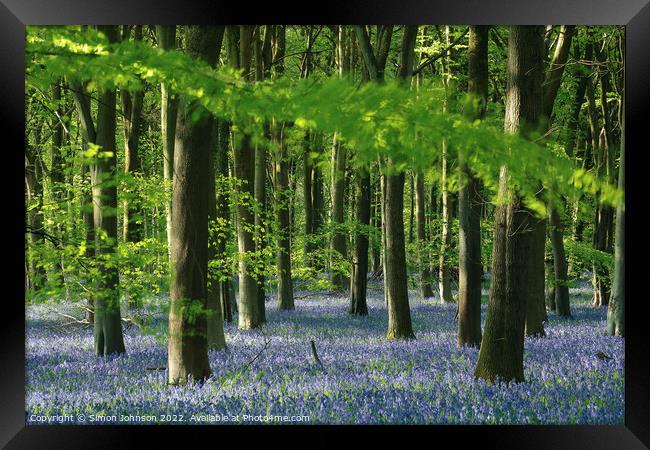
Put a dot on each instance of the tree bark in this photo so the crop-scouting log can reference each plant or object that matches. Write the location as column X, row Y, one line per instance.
column 444, row 276
column 551, row 87
column 132, row 103
column 108, row 322
column 502, row 345
column 470, row 268
column 359, row 278
column 189, row 309
column 283, row 197
column 216, row 338
column 226, row 297
column 616, row 307
column 168, row 111
column 425, row 269
column 250, row 314
column 399, row 314
column 339, row 239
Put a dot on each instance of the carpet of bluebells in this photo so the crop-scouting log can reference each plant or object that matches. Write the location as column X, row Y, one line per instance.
column 363, row 378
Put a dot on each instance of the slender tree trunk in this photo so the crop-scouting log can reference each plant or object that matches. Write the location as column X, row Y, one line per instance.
column 358, row 304
column 425, row 269
column 536, row 301
column 57, row 171
column 399, row 314
column 375, row 266
column 35, row 240
column 502, row 345
column 551, row 87
column 168, row 110
column 359, row 275
column 108, row 322
column 283, row 197
column 188, row 334
column 470, row 266
column 260, row 222
column 250, row 315
column 132, row 103
column 223, row 215
column 339, row 239
column 82, row 105
column 412, row 206
column 307, row 195
column 616, row 307
column 444, row 275
column 216, row 338
column 560, row 266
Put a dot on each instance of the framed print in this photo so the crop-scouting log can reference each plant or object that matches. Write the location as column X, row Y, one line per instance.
column 387, row 217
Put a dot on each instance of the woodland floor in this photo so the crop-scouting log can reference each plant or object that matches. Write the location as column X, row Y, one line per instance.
column 363, row 378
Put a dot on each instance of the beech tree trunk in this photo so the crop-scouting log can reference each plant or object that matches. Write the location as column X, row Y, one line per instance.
column 339, row 239
column 283, row 197
column 616, row 307
column 444, row 275
column 250, row 314
column 502, row 345
column 359, row 279
column 88, row 135
column 216, row 338
column 226, row 294
column 376, row 60
column 108, row 321
column 168, row 110
column 132, row 103
column 399, row 313
column 551, row 87
column 470, row 266
column 425, row 268
column 189, row 309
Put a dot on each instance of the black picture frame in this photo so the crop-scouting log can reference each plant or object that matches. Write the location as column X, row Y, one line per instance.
column 635, row 14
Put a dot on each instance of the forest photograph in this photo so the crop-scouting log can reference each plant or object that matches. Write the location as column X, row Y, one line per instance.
column 324, row 224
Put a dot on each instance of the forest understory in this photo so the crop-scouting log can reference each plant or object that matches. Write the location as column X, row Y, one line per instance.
column 574, row 375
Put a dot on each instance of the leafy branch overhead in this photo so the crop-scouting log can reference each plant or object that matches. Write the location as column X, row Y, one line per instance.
column 377, row 120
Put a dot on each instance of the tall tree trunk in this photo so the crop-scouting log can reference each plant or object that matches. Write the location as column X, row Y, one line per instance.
column 444, row 275
column 359, row 275
column 132, row 103
column 339, row 159
column 168, row 110
column 616, row 307
column 536, row 301
column 283, row 197
column 307, row 196
column 412, row 206
column 57, row 171
column 260, row 221
column 399, row 314
column 188, row 343
column 375, row 265
column 358, row 303
column 34, row 191
column 502, row 345
column 551, row 87
column 470, row 267
column 216, row 338
column 339, row 239
column 250, row 314
column 226, row 296
column 108, row 322
column 425, row 268
column 88, row 135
